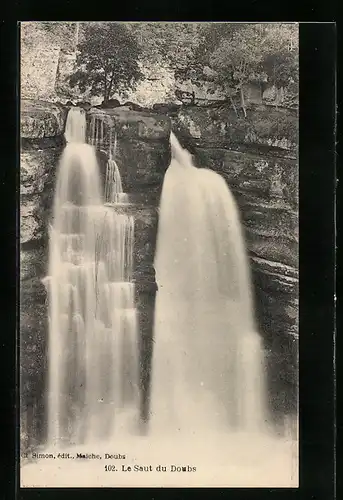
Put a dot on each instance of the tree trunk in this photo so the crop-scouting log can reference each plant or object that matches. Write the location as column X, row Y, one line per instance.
column 105, row 88
column 233, row 105
column 243, row 102
column 110, row 85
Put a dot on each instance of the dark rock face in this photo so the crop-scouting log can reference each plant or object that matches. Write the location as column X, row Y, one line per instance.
column 40, row 119
column 37, row 171
column 111, row 103
column 132, row 106
column 267, row 175
column 42, row 127
column 263, row 125
column 146, row 220
column 84, row 104
column 282, row 370
column 33, row 262
column 33, row 358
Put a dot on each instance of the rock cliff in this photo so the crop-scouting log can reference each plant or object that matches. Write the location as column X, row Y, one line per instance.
column 257, row 157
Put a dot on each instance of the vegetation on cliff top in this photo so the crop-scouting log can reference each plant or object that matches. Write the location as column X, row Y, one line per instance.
column 112, row 57
column 107, row 60
column 225, row 56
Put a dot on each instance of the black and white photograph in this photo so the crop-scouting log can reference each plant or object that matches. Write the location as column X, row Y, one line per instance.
column 159, row 254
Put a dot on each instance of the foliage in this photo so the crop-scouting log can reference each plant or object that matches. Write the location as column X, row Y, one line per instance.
column 210, row 35
column 107, row 60
column 166, row 43
column 230, row 55
column 225, row 56
column 280, row 61
column 237, row 60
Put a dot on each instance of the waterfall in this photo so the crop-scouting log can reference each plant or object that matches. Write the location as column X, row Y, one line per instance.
column 93, row 332
column 208, row 396
column 114, row 193
column 208, row 363
column 113, row 185
column 96, row 132
column 75, row 128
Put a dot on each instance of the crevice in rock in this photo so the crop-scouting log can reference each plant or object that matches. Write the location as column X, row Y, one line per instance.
column 28, row 144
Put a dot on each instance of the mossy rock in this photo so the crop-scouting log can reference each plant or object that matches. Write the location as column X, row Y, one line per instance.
column 40, row 119
column 263, row 125
column 33, row 337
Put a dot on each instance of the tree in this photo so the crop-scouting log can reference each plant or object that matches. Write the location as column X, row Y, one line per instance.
column 232, row 55
column 165, row 48
column 281, row 58
column 237, row 61
column 221, row 56
column 107, row 59
column 169, row 43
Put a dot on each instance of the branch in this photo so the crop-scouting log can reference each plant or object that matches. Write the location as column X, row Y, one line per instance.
column 233, row 105
column 242, row 101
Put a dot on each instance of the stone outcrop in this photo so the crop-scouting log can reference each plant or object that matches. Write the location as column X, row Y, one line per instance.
column 223, row 126
column 40, row 119
column 36, row 175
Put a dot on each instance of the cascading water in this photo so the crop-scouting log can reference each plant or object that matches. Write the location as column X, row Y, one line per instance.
column 208, row 368
column 113, row 185
column 207, row 379
column 114, row 193
column 75, row 129
column 93, row 341
column 96, row 132
column 208, row 391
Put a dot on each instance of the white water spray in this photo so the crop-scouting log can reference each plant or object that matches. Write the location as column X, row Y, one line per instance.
column 208, row 365
column 93, row 339
column 75, row 128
